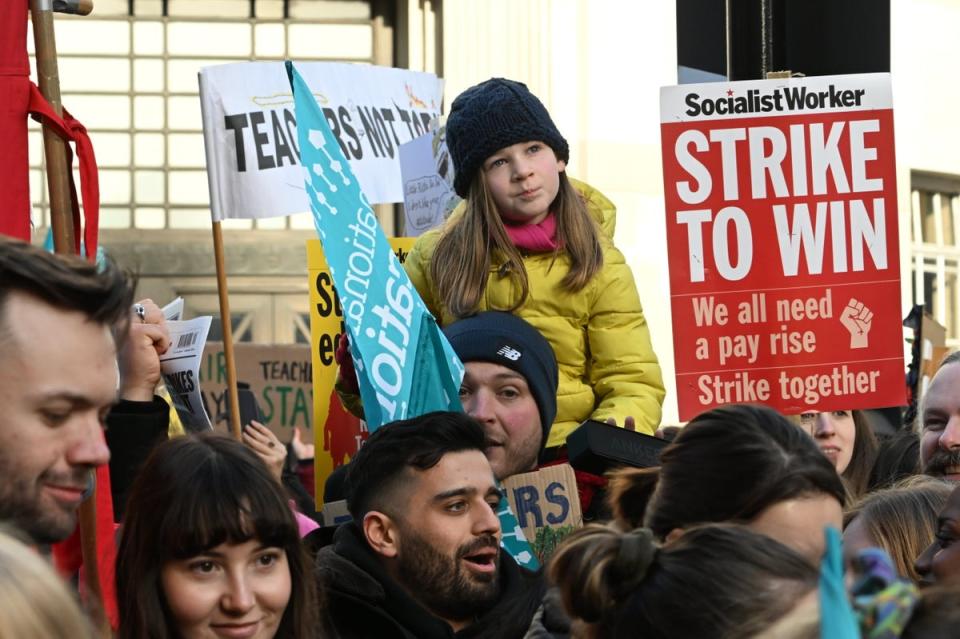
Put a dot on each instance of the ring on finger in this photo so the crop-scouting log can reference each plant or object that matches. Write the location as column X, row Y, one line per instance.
column 141, row 312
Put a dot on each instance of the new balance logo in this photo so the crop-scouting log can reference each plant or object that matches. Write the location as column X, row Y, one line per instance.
column 510, row 353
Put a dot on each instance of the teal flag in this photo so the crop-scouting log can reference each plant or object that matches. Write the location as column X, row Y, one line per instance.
column 837, row 620
column 405, row 365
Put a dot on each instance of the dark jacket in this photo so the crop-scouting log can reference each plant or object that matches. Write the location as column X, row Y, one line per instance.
column 551, row 620
column 363, row 602
column 133, row 430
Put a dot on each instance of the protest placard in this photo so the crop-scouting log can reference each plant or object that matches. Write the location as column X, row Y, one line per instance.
column 339, row 434
column 427, row 171
column 281, row 378
column 547, row 497
column 250, row 130
column 783, row 245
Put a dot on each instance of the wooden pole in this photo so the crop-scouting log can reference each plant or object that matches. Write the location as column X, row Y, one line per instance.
column 61, row 221
column 54, row 148
column 235, row 425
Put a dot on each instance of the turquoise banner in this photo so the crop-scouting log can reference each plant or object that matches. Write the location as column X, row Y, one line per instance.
column 404, row 363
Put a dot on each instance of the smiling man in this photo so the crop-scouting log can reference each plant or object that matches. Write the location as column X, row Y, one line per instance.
column 940, row 414
column 422, row 556
column 58, row 381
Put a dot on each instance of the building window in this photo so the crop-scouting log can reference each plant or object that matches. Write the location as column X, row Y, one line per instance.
column 935, row 251
column 129, row 73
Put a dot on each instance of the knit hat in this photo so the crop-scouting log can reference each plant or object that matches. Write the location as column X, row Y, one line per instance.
column 505, row 339
column 490, row 116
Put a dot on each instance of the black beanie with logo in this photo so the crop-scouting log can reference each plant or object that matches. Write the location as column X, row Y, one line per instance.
column 505, row 339
column 490, row 116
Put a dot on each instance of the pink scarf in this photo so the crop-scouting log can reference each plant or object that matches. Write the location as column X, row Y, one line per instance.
column 536, row 238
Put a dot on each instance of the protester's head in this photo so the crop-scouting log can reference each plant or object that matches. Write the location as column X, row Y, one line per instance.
column 492, row 115
column 210, row 547
column 510, row 163
column 509, row 386
column 424, row 496
column 940, row 420
column 847, row 440
column 719, row 581
column 901, row 520
column 898, row 457
column 34, row 601
column 738, row 463
column 940, row 562
column 57, row 382
column 937, row 615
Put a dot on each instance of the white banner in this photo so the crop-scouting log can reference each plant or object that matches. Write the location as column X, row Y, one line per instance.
column 250, row 132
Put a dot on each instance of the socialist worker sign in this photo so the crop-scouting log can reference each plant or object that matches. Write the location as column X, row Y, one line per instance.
column 782, row 238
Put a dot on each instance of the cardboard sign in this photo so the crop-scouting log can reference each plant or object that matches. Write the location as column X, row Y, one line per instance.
column 547, row 497
column 933, row 349
column 281, row 378
column 339, row 434
column 783, row 244
column 250, row 130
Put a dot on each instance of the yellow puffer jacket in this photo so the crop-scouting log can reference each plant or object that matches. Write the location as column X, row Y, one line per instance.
column 600, row 337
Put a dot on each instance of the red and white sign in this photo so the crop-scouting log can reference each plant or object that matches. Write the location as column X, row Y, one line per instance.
column 782, row 237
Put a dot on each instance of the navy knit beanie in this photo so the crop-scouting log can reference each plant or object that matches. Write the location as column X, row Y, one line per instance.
column 490, row 116
column 505, row 339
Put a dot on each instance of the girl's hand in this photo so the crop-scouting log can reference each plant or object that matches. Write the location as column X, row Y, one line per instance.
column 629, row 423
column 267, row 447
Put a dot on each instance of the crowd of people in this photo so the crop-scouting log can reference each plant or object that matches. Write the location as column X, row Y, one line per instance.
column 735, row 534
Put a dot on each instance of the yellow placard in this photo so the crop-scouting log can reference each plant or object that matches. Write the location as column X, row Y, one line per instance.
column 337, row 434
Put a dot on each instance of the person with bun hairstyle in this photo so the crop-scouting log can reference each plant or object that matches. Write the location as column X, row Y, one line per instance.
column 531, row 241
column 738, row 463
column 718, row 581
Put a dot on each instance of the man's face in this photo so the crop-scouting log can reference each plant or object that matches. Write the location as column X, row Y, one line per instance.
column 448, row 554
column 940, row 438
column 58, row 379
column 500, row 400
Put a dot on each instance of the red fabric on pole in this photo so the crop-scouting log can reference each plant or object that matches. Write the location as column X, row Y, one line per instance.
column 68, row 554
column 18, row 98
column 14, row 98
column 72, row 130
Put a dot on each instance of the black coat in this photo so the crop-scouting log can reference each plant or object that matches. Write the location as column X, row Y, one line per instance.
column 362, row 602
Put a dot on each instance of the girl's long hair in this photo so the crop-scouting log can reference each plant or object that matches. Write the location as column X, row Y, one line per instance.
column 461, row 263
column 193, row 494
column 902, row 519
column 857, row 474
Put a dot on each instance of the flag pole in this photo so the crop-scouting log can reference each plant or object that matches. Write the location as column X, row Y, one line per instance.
column 235, row 425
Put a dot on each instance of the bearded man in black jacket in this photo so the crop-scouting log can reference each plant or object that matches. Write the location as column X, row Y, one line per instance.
column 422, row 558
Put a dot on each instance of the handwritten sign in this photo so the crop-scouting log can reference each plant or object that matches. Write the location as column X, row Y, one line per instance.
column 280, row 377
column 547, row 497
column 427, row 172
